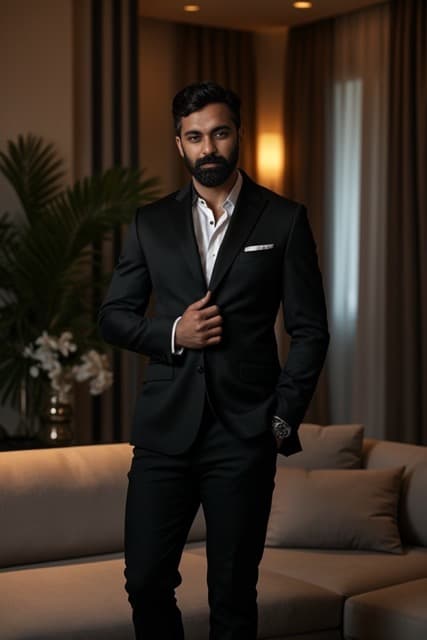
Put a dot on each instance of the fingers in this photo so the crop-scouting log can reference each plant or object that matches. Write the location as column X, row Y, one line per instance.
column 200, row 325
column 209, row 312
column 205, row 327
column 212, row 332
column 200, row 305
column 215, row 321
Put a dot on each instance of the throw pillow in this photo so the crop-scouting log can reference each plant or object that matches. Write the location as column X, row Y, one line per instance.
column 331, row 447
column 336, row 509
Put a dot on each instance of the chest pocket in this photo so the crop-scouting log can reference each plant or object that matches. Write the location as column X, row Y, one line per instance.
column 258, row 266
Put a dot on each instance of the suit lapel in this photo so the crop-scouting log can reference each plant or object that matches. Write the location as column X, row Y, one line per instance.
column 184, row 231
column 249, row 207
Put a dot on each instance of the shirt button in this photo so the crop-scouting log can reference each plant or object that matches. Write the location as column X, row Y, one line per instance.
column 200, row 369
column 211, row 222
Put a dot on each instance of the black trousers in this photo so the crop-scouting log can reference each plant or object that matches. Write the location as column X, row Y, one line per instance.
column 233, row 479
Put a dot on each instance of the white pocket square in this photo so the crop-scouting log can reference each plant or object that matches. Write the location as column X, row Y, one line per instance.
column 258, row 247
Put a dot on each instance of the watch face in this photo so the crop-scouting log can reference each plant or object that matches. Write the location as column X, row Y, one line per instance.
column 287, row 431
column 281, row 428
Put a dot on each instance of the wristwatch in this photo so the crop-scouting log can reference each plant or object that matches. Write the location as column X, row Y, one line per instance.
column 281, row 428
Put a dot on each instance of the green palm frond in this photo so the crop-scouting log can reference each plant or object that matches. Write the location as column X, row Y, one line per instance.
column 9, row 239
column 47, row 275
column 34, row 170
column 96, row 205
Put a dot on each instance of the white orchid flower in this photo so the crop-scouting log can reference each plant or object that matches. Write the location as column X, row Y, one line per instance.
column 46, row 341
column 93, row 367
column 65, row 344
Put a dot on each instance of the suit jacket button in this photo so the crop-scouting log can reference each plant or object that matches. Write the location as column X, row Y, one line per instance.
column 200, row 369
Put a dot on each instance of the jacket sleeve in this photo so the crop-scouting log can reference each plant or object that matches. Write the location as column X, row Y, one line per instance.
column 305, row 320
column 122, row 321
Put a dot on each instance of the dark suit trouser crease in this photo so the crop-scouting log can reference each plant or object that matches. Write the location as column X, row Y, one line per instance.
column 233, row 479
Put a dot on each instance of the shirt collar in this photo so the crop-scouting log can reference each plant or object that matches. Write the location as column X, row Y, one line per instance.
column 230, row 202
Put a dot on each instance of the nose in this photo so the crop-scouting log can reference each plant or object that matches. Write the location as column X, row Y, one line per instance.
column 208, row 146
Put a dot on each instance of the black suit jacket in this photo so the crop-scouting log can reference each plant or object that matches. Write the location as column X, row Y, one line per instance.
column 241, row 375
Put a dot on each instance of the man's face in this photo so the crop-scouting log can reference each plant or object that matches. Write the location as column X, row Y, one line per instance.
column 209, row 144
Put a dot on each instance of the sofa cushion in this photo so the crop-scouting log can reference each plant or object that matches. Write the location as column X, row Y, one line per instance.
column 63, row 502
column 392, row 613
column 347, row 572
column 337, row 446
column 95, row 589
column 336, row 509
column 286, row 605
column 83, row 600
column 378, row 454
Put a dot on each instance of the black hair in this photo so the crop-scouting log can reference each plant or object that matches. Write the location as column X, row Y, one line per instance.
column 196, row 96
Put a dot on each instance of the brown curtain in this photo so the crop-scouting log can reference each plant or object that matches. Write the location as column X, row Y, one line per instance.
column 225, row 56
column 106, row 134
column 406, row 290
column 309, row 70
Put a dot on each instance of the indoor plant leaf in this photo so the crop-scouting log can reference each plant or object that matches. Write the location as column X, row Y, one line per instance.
column 34, row 170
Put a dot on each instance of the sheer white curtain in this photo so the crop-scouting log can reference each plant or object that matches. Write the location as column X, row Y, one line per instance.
column 357, row 209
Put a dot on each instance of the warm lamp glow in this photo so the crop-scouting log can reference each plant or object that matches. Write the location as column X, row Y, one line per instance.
column 191, row 8
column 270, row 159
column 303, row 5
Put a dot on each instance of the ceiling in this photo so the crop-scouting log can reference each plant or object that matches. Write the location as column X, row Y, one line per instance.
column 255, row 15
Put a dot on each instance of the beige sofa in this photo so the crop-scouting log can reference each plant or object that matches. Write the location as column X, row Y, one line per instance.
column 61, row 539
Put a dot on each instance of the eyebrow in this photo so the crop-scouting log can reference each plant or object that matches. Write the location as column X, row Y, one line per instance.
column 193, row 132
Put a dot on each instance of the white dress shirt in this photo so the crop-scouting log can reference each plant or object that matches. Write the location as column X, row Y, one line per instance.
column 209, row 235
column 210, row 232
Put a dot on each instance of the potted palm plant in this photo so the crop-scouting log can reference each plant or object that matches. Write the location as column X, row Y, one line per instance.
column 51, row 271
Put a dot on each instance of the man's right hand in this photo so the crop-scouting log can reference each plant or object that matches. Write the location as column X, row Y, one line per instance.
column 200, row 326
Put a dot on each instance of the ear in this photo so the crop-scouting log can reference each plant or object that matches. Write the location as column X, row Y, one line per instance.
column 179, row 145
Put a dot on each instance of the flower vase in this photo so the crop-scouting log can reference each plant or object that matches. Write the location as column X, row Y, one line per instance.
column 56, row 420
column 27, row 424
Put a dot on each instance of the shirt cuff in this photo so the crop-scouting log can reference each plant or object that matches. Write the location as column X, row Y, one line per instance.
column 174, row 350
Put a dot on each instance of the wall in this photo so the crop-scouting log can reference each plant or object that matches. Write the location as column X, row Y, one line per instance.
column 36, row 72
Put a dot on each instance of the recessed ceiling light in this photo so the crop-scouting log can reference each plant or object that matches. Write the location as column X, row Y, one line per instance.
column 303, row 5
column 191, row 8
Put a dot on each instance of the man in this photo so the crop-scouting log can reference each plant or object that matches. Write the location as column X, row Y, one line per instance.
column 219, row 257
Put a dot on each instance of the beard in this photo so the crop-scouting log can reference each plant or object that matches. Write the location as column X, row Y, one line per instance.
column 217, row 175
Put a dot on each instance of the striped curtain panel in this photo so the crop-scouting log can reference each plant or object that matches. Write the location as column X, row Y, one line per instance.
column 308, row 78
column 406, row 285
column 106, row 134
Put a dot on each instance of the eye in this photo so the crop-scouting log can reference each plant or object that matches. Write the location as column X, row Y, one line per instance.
column 193, row 138
column 222, row 133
